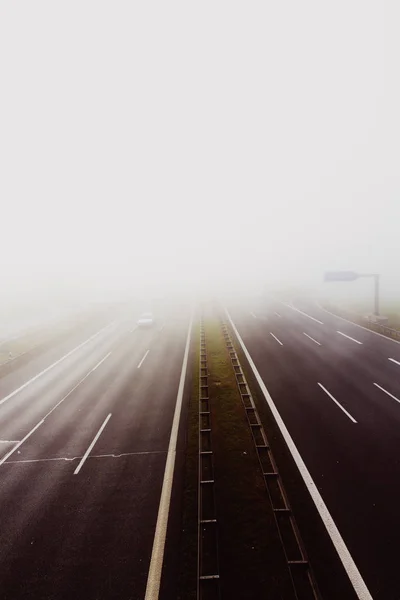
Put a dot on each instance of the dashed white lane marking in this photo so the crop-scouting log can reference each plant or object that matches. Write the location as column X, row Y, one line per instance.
column 143, row 359
column 394, row 361
column 386, row 392
column 348, row 563
column 275, row 338
column 157, row 554
column 253, row 315
column 101, row 361
column 277, row 314
column 357, row 325
column 348, row 337
column 44, row 418
column 98, row 434
column 53, row 365
column 338, row 403
column 303, row 313
column 311, row 338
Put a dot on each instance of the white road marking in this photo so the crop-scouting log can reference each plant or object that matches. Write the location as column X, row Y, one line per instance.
column 386, row 392
column 348, row 337
column 277, row 314
column 9, row 441
column 3, row 460
column 395, row 361
column 357, row 325
column 98, row 434
column 309, row 336
column 347, row 560
column 253, row 315
column 338, row 403
column 142, row 361
column 100, row 362
column 161, row 328
column 54, row 364
column 46, row 415
column 157, row 555
column 274, row 336
column 303, row 313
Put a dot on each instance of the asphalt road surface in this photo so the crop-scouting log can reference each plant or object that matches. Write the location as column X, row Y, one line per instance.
column 84, row 432
column 337, row 388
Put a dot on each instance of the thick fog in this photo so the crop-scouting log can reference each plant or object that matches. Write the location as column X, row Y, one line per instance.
column 217, row 145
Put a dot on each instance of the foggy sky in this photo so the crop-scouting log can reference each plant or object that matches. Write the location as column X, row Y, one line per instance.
column 178, row 142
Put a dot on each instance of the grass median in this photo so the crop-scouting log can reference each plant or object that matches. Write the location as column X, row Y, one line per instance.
column 251, row 557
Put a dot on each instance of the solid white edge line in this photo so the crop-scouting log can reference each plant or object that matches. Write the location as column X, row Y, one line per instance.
column 336, row 402
column 98, row 434
column 157, row 554
column 101, row 361
column 348, row 337
column 386, row 392
column 337, row 540
column 385, row 337
column 302, row 313
column 23, row 386
column 394, row 361
column 309, row 336
column 274, row 336
column 142, row 361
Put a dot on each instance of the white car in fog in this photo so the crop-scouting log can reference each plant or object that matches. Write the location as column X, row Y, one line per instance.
column 146, row 320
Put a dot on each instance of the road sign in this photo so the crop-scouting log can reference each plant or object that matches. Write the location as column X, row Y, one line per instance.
column 340, row 276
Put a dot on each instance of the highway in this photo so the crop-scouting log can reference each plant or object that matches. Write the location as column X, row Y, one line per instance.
column 84, row 432
column 337, row 389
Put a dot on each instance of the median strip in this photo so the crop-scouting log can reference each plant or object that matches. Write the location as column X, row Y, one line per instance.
column 249, row 543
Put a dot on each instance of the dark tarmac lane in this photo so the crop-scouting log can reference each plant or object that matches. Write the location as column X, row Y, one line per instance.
column 75, row 524
column 338, row 394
